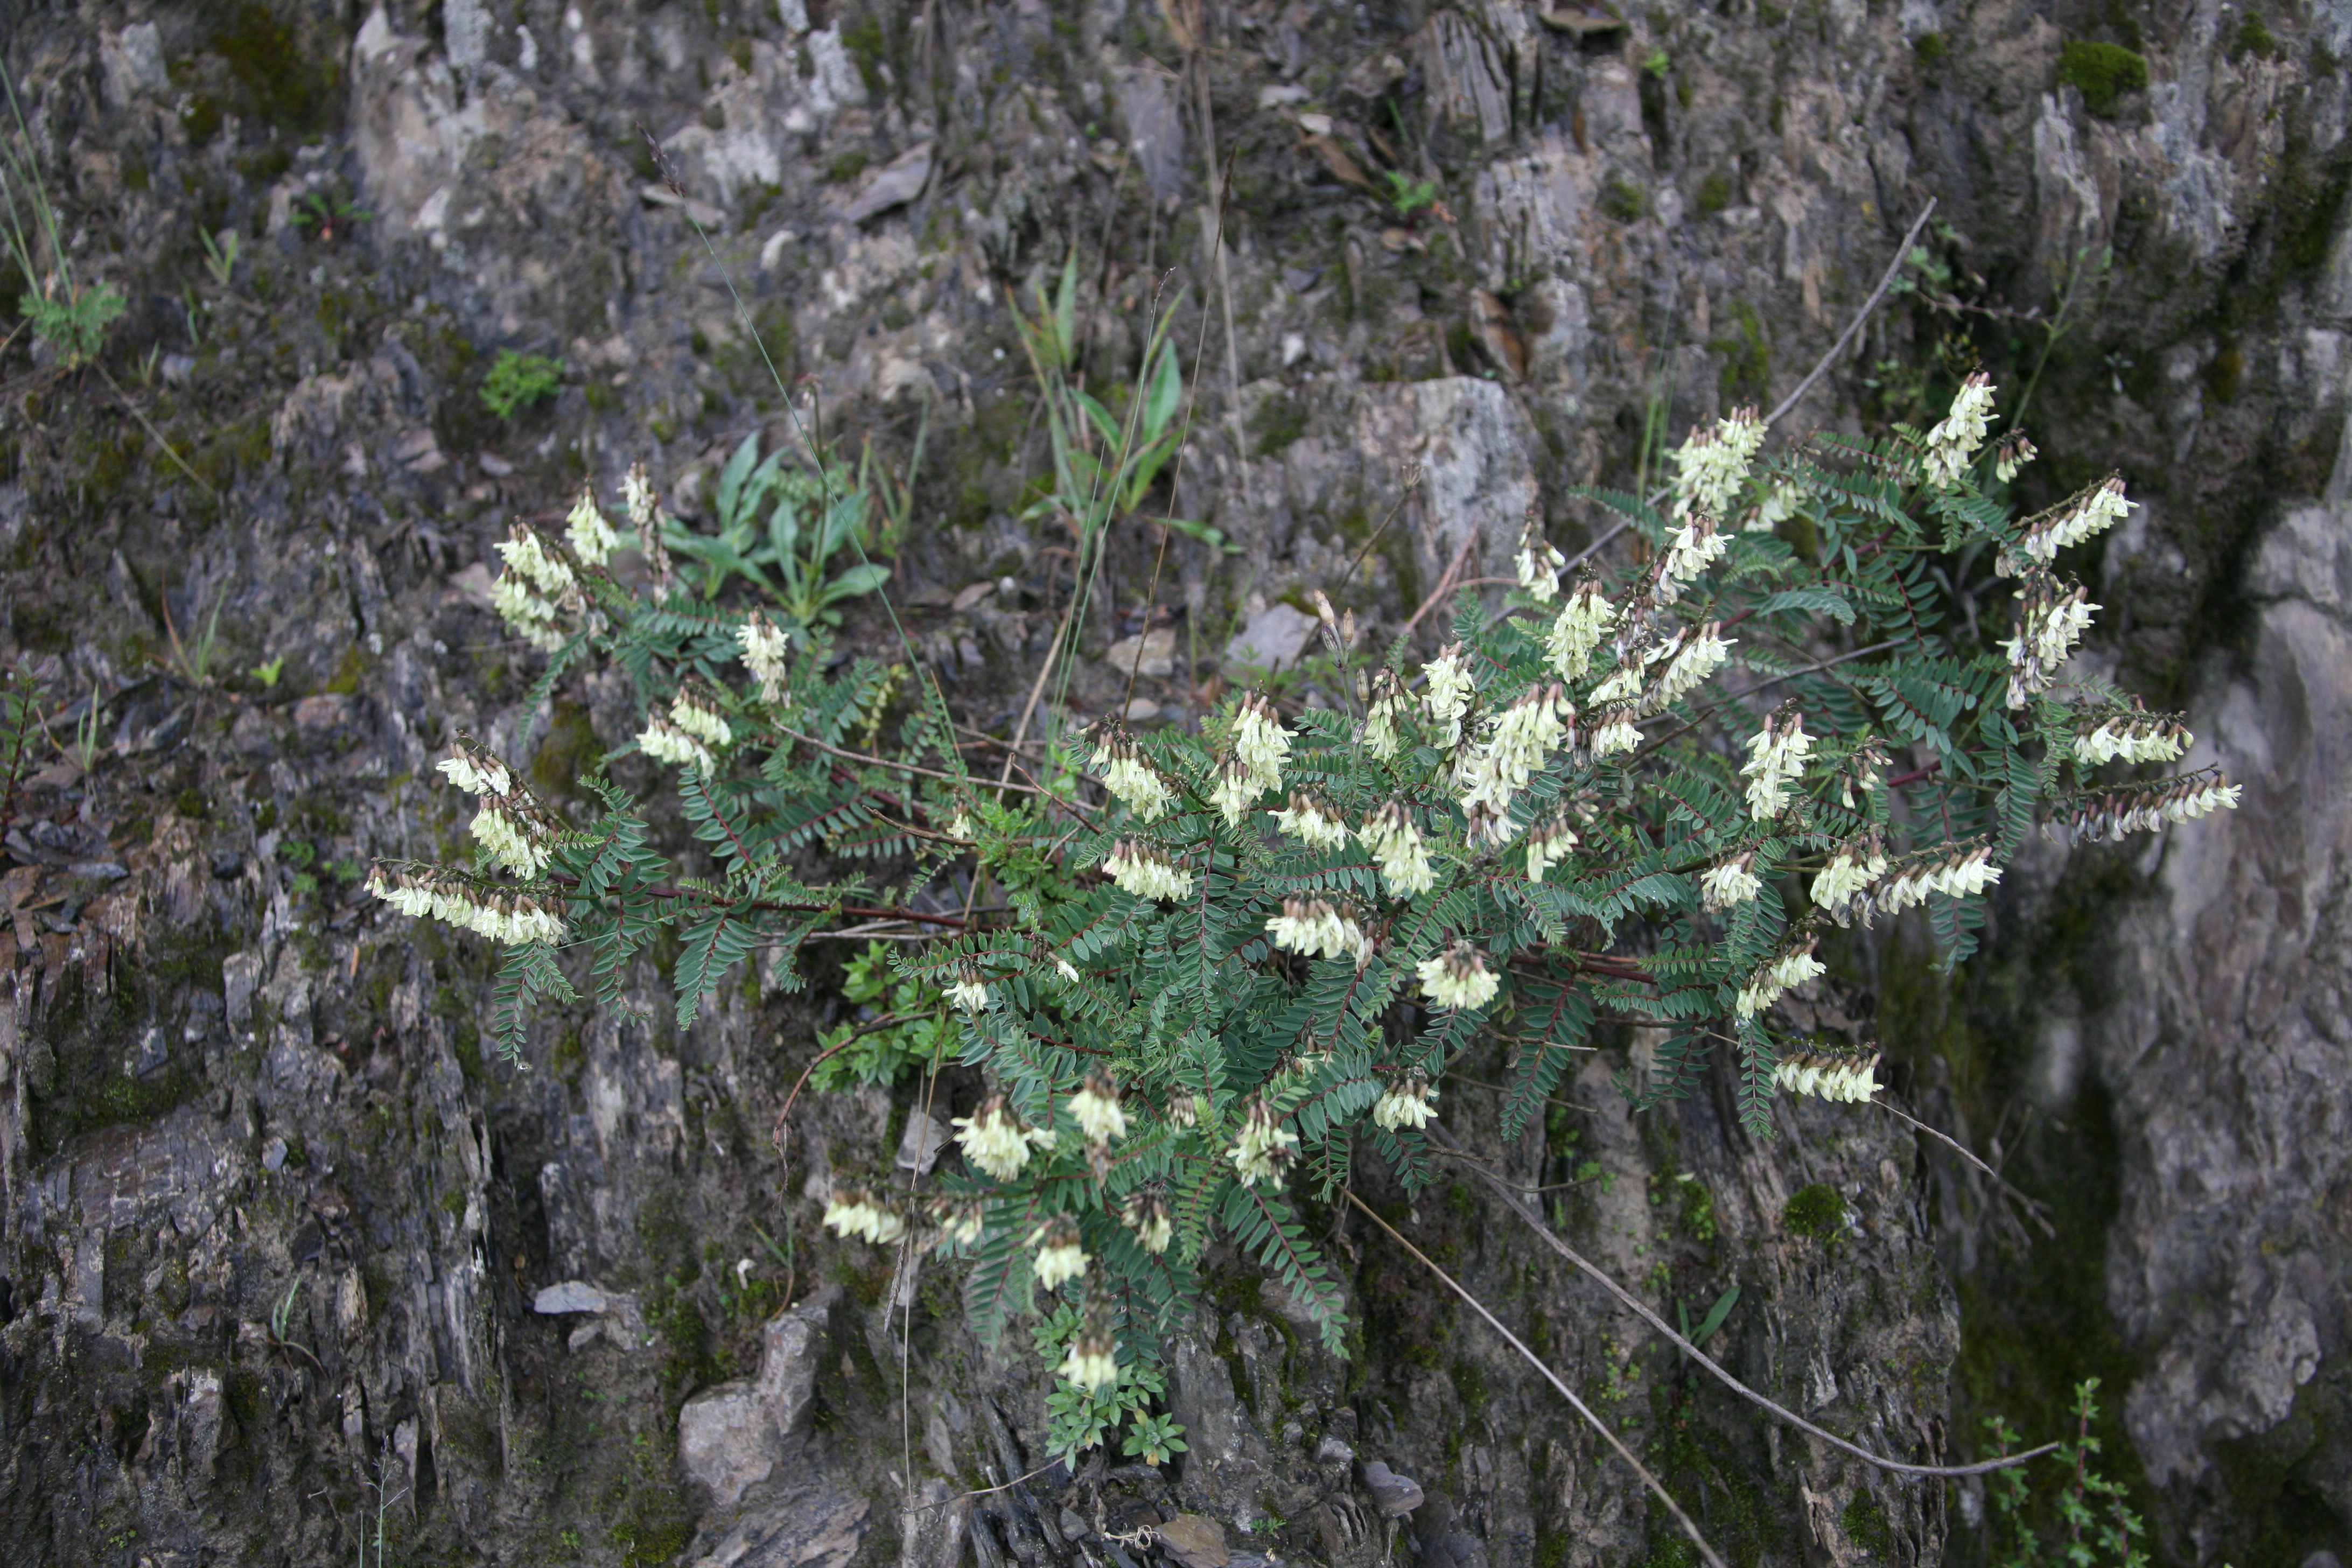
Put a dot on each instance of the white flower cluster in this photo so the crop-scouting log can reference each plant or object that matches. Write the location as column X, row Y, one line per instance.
column 2053, row 623
column 1732, row 881
column 1613, row 732
column 1145, row 872
column 1091, row 1364
column 517, row 832
column 1524, row 736
column 2086, row 516
column 1260, row 743
column 511, row 918
column 1778, row 975
column 2014, row 453
column 1066, row 969
column 1848, row 874
column 1710, row 468
column 1690, row 656
column 766, row 648
column 1390, row 837
column 854, row 1212
column 1127, row 776
column 2118, row 812
column 664, row 741
column 1548, row 845
column 1409, row 1099
column 1059, row 1256
column 1458, row 977
column 476, row 770
column 1860, row 773
column 1098, row 1110
column 997, row 1141
column 2136, row 737
column 644, row 516
column 1695, row 546
column 1233, row 791
column 1578, row 629
column 1775, row 759
column 970, row 992
column 1856, row 881
column 694, row 710
column 1843, row 1079
column 1389, row 702
column 1953, row 442
column 959, row 1223
column 535, row 589
column 1779, row 505
column 1146, row 1214
column 1539, row 565
column 1312, row 927
column 1450, row 690
column 1308, row 820
column 591, row 537
column 1263, row 1148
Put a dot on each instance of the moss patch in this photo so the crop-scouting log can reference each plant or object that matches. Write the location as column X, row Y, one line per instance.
column 1816, row 1211
column 2102, row 73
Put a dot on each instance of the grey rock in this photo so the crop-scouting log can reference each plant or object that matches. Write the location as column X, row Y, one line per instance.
column 922, row 1143
column 799, row 1527
column 734, row 1436
column 1394, row 1495
column 1194, row 1541
column 900, row 181
column 1274, row 638
column 1150, row 653
column 570, row 1296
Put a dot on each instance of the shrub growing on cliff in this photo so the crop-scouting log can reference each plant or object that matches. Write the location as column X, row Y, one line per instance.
column 1638, row 795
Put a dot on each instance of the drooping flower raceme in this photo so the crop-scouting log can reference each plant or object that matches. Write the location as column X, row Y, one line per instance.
column 2148, row 808
column 1127, row 776
column 1098, row 1110
column 1261, row 743
column 1264, row 1147
column 1146, row 1214
column 1092, row 1362
column 1775, row 759
column 1695, row 546
column 1578, row 629
column 1060, row 1256
column 1447, row 697
column 1312, row 822
column 1312, row 927
column 694, row 711
column 476, row 770
column 1389, row 702
column 1390, row 837
column 1734, row 881
column 766, row 649
column 1540, row 566
column 1711, row 466
column 969, row 992
column 1526, row 735
column 1955, row 440
column 534, row 590
column 1849, row 872
column 1145, row 872
column 1613, row 732
column 508, row 917
column 517, row 832
column 996, row 1140
column 852, row 1212
column 1547, row 844
column 1842, row 1079
column 1235, row 791
column 1691, row 656
column 591, row 537
column 2086, row 516
column 2014, row 453
column 1776, row 976
column 1409, row 1101
column 2136, row 737
column 1458, row 977
column 664, row 741
column 2053, row 621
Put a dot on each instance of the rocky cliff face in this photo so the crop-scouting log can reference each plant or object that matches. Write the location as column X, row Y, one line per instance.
column 289, row 1265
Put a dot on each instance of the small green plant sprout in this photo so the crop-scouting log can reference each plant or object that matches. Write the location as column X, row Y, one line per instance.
column 913, row 1029
column 1407, row 195
column 220, row 254
column 1228, row 964
column 516, row 380
column 787, row 554
column 71, row 317
column 1657, row 63
column 1098, row 1394
column 85, row 746
column 192, row 661
column 326, row 212
column 267, row 673
column 1714, row 1319
column 2084, row 1524
column 20, row 717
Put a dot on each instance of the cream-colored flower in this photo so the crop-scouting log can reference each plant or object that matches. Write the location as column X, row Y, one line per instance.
column 1261, row 743
column 1776, row 761
column 509, row 830
column 969, row 992
column 1235, row 791
column 1146, row 1214
column 1712, row 465
column 1096, row 1107
column 959, row 1223
column 1060, row 1257
column 664, row 741
column 1540, row 566
column 1448, row 695
column 1390, row 837
column 1315, row 928
column 1091, row 1364
column 767, row 648
column 1954, row 441
column 476, row 770
column 2014, row 453
column 1548, row 845
column 1145, row 872
column 2086, row 516
column 1066, row 969
column 1695, row 547
column 1615, row 733
column 1526, row 735
column 2136, row 737
column 1407, row 1100
column 1308, row 820
column 1263, row 1148
column 591, row 537
column 1389, row 702
column 1730, row 882
column 1690, row 656
column 2052, row 622
column 996, row 1140
column 1127, row 776
column 1776, row 976
column 854, row 1213
column 1458, row 977
column 1841, row 1079
column 1848, row 876
column 1578, row 629
column 693, row 710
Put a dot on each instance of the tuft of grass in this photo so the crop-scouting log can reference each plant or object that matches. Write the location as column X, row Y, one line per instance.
column 2102, row 73
column 516, row 380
